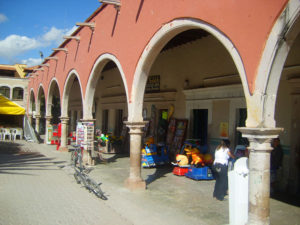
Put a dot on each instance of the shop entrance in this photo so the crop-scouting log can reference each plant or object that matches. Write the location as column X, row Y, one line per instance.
column 200, row 122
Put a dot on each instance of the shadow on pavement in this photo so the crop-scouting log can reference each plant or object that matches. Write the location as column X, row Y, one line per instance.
column 159, row 172
column 287, row 198
column 15, row 159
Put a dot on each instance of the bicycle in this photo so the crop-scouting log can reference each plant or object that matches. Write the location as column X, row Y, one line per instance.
column 81, row 173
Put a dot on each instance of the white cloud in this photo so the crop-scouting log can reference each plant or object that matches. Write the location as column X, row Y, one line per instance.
column 14, row 45
column 32, row 61
column 55, row 35
column 3, row 18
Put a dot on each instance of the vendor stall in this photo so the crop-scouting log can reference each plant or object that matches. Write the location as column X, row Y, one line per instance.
column 11, row 114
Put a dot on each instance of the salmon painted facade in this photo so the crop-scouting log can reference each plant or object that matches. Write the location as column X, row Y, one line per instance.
column 226, row 62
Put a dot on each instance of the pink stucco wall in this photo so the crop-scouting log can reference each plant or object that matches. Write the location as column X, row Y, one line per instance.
column 246, row 23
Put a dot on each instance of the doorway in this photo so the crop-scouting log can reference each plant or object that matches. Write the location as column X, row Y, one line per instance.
column 200, row 124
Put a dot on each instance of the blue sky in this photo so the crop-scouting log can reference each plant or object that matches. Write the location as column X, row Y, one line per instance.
column 28, row 27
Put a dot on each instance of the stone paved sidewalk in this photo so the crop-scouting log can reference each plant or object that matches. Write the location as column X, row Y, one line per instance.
column 34, row 190
column 39, row 188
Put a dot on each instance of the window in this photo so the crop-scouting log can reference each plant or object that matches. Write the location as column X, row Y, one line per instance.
column 5, row 91
column 18, row 93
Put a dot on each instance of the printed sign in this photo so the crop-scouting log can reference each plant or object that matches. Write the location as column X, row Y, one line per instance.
column 153, row 84
column 224, row 130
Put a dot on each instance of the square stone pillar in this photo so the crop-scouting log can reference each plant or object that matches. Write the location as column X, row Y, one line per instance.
column 48, row 120
column 64, row 134
column 259, row 176
column 37, row 123
column 135, row 181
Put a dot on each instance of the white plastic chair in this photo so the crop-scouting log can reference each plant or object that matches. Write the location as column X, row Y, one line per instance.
column 1, row 134
column 17, row 132
column 6, row 133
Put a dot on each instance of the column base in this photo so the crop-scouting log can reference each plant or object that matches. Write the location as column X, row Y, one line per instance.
column 63, row 149
column 134, row 184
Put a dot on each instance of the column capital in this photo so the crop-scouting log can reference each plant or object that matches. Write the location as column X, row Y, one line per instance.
column 38, row 116
column 87, row 120
column 260, row 132
column 260, row 138
column 64, row 119
column 136, row 127
column 48, row 117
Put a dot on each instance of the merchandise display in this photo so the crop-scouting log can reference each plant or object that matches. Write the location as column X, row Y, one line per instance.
column 193, row 162
column 155, row 155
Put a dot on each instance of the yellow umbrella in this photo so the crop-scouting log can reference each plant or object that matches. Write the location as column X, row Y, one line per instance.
column 8, row 107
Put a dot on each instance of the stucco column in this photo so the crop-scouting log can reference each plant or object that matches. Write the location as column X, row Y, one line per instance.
column 48, row 120
column 37, row 123
column 64, row 134
column 259, row 177
column 135, row 181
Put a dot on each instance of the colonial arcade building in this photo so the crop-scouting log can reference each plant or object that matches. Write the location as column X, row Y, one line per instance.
column 212, row 62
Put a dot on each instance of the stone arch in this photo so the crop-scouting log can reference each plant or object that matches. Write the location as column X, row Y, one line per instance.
column 161, row 37
column 53, row 84
column 31, row 101
column 280, row 40
column 39, row 95
column 93, row 80
column 67, row 88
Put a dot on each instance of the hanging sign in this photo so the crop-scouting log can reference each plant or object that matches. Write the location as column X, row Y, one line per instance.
column 79, row 133
column 49, row 134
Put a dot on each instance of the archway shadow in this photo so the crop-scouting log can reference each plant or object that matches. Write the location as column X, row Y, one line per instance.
column 15, row 159
column 160, row 172
column 287, row 198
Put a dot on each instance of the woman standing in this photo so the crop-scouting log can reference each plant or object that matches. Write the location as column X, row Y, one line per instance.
column 220, row 167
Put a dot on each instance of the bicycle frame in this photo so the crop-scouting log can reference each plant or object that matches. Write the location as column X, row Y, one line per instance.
column 82, row 177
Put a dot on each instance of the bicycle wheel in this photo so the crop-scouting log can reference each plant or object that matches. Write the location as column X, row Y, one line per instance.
column 73, row 158
column 96, row 189
column 77, row 178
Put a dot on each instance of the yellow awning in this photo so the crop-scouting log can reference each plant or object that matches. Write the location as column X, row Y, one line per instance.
column 8, row 107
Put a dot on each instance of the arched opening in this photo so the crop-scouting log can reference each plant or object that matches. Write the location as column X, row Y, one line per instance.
column 42, row 110
column 5, row 91
column 18, row 93
column 53, row 103
column 106, row 104
column 194, row 68
column 32, row 108
column 73, row 106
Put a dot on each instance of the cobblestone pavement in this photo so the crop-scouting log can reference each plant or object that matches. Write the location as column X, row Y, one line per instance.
column 35, row 191
column 39, row 188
